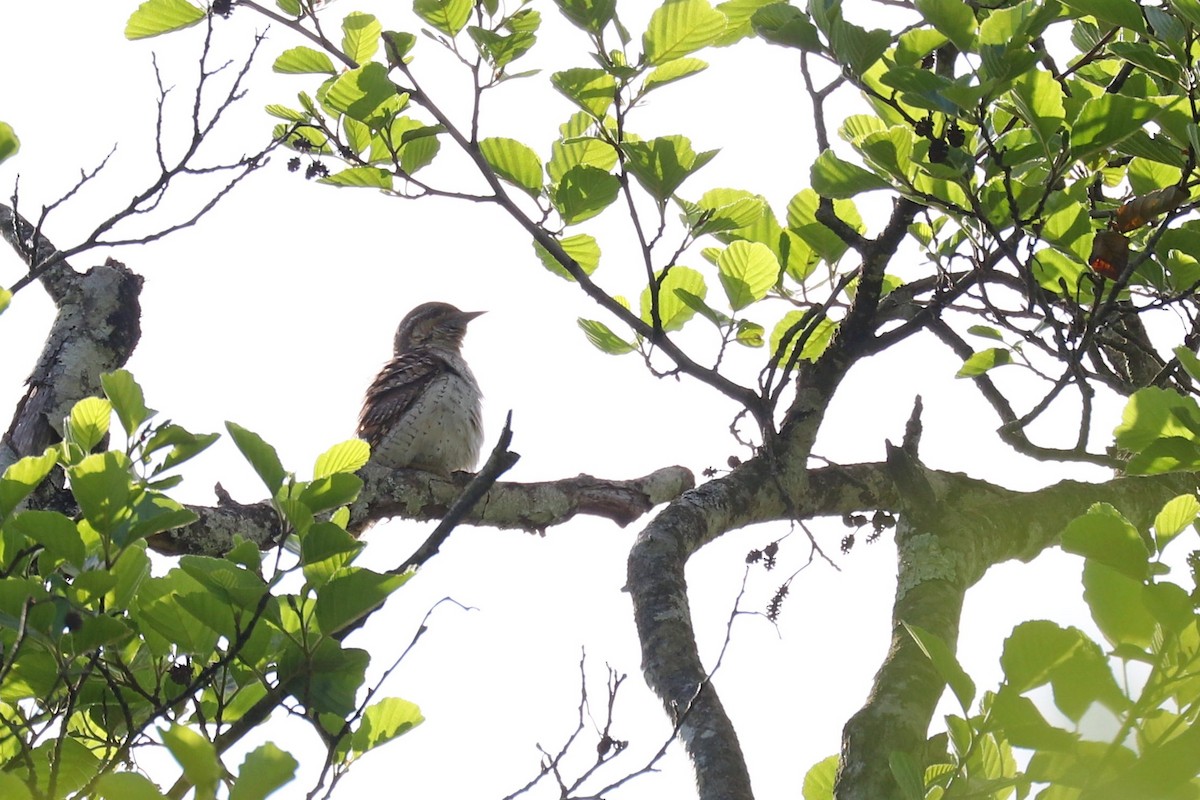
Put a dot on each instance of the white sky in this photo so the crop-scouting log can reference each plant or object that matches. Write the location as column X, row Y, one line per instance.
column 277, row 309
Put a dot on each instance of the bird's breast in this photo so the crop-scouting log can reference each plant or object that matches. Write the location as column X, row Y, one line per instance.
column 441, row 431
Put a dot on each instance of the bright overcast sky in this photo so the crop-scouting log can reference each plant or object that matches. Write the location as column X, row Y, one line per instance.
column 276, row 310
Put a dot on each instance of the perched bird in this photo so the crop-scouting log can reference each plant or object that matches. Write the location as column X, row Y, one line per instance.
column 423, row 409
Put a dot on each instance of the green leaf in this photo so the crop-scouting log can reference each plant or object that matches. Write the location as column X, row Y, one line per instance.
column 720, row 210
column 348, row 456
column 383, row 721
column 324, row 549
column 125, row 786
column 196, row 755
column 588, row 151
column 984, row 360
column 1174, row 518
column 818, row 781
column 9, row 144
column 183, row 443
column 155, row 513
column 397, row 45
column 672, row 71
column 21, row 478
column 945, row 663
column 1170, row 454
column 590, row 15
column 1126, row 13
column 1040, row 100
column 952, row 18
column 581, row 247
column 747, row 271
column 679, row 27
column 351, row 595
column 1149, row 415
column 303, row 60
column 673, row 312
column 819, row 336
column 1189, row 362
column 834, row 178
column 662, row 164
column 155, row 17
column 127, row 399
column 501, row 49
column 603, row 339
column 448, row 16
column 231, row 582
column 802, row 218
column 361, row 177
column 1117, row 603
column 784, row 24
column 514, row 162
column 56, row 532
column 331, row 491
column 986, row 332
column 1023, row 725
column 359, row 92
column 749, row 334
column 89, row 422
column 584, row 192
column 1103, row 121
column 907, row 773
column 592, row 90
column 857, row 47
column 360, row 36
column 102, row 485
column 1105, row 536
column 261, row 456
column 265, row 769
column 1034, row 651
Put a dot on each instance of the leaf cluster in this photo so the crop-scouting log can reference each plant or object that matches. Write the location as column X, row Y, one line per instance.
column 99, row 655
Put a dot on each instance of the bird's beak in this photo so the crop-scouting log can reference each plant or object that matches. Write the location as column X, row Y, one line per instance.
column 467, row 316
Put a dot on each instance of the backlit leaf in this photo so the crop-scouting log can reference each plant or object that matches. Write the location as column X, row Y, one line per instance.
column 155, row 17
column 514, row 162
column 300, row 60
column 679, row 27
column 747, row 271
column 673, row 312
column 360, row 36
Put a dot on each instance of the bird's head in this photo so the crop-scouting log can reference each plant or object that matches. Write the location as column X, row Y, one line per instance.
column 433, row 324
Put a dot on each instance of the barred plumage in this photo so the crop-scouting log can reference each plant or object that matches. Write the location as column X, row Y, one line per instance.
column 423, row 409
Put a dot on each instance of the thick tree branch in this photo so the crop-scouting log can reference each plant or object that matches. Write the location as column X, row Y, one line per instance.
column 95, row 330
column 420, row 495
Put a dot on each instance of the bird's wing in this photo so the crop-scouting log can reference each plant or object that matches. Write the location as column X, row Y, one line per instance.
column 394, row 390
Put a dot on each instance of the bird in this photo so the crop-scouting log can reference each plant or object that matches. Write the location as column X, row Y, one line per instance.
column 424, row 408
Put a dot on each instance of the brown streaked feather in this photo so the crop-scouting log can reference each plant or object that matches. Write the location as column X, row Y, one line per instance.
column 395, row 389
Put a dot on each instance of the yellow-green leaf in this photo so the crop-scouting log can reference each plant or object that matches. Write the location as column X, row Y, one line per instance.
column 747, row 270
column 984, row 360
column 602, row 337
column 514, row 162
column 360, row 36
column 303, row 60
column 9, row 144
column 673, row 71
column 673, row 312
column 89, row 421
column 155, row 17
column 581, row 247
column 679, row 27
column 448, row 16
column 348, row 456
